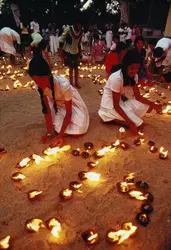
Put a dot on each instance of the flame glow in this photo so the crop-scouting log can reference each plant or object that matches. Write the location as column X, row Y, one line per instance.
column 34, row 194
column 24, row 162
column 137, row 195
column 55, row 227
column 92, row 176
column 52, row 151
column 37, row 158
column 163, row 153
column 4, row 243
column 33, row 225
column 18, row 176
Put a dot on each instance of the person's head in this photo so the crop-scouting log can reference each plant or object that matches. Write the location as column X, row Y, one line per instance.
column 158, row 52
column 121, row 49
column 139, row 42
column 130, row 66
column 77, row 26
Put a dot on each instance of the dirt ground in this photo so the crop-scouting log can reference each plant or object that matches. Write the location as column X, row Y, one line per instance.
column 99, row 205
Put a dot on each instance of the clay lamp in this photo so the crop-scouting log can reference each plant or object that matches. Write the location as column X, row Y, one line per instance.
column 2, row 151
column 129, row 178
column 139, row 141
column 124, row 145
column 153, row 149
column 149, row 197
column 112, row 236
column 116, row 144
column 143, row 219
column 75, row 185
column 76, row 152
column 83, row 175
column 141, row 185
column 163, row 154
column 88, row 145
column 85, row 154
column 18, row 176
column 151, row 143
column 122, row 187
column 92, row 164
column 34, row 195
column 24, row 163
column 90, row 237
column 54, row 225
column 4, row 243
column 66, row 194
column 33, row 225
column 146, row 208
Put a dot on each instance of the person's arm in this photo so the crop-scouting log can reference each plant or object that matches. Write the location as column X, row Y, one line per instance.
column 140, row 98
column 116, row 100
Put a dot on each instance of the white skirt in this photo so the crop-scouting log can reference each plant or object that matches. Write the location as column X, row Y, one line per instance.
column 134, row 109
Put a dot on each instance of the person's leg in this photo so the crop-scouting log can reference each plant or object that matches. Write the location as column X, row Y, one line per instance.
column 71, row 75
column 12, row 59
column 76, row 77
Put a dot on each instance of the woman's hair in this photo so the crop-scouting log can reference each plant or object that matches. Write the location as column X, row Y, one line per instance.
column 158, row 52
column 131, row 57
column 39, row 67
column 120, row 46
column 138, row 38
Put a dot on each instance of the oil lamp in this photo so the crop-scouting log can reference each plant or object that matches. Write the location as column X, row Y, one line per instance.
column 138, row 141
column 141, row 185
column 85, row 154
column 122, row 187
column 54, row 225
column 33, row 225
column 153, row 149
column 66, row 194
column 115, row 144
column 4, row 243
column 163, row 154
column 34, row 194
column 149, row 197
column 89, row 175
column 143, row 219
column 112, row 236
column 18, row 176
column 129, row 178
column 75, row 185
column 146, row 208
column 76, row 152
column 90, row 237
column 82, row 175
column 88, row 145
column 23, row 163
column 92, row 164
column 151, row 143
column 124, row 145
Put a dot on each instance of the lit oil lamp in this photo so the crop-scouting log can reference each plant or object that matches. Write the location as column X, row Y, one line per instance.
column 5, row 243
column 24, row 163
column 149, row 197
column 129, row 178
column 124, row 145
column 88, row 145
column 7, row 88
column 34, row 195
column 163, row 154
column 18, row 176
column 138, row 141
column 75, row 185
column 143, row 219
column 66, row 194
column 90, row 237
column 146, row 208
column 151, row 143
column 89, row 175
column 33, row 225
column 37, row 158
column 137, row 195
column 122, row 187
column 92, row 164
column 54, row 225
column 54, row 150
column 85, row 154
column 76, row 152
column 117, row 237
column 165, row 111
column 153, row 149
column 141, row 185
column 115, row 144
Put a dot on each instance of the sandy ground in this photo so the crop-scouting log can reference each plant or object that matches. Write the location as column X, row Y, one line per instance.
column 99, row 206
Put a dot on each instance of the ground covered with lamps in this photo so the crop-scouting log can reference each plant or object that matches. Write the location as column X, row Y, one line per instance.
column 97, row 205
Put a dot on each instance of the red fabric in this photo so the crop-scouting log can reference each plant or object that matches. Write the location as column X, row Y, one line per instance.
column 42, row 81
column 111, row 59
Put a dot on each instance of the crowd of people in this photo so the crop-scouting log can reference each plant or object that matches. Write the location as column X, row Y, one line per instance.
column 129, row 60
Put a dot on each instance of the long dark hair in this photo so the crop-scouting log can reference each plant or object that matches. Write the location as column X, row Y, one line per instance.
column 39, row 67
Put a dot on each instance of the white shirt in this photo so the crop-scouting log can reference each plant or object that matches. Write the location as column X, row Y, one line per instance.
column 129, row 35
column 34, row 26
column 165, row 44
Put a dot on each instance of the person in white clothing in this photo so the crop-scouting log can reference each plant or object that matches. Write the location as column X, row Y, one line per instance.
column 121, row 101
column 123, row 32
column 34, row 25
column 7, row 38
column 63, row 107
column 109, row 37
column 162, row 57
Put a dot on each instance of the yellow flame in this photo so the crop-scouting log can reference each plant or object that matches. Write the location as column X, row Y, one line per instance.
column 122, row 235
column 52, row 151
column 137, row 195
column 37, row 158
column 104, row 150
column 4, row 243
column 24, row 162
column 147, row 96
column 168, row 108
column 33, row 194
column 17, row 84
column 7, row 87
column 124, row 186
column 55, row 227
column 34, row 225
column 92, row 176
column 92, row 237
column 66, row 192
column 18, row 176
column 164, row 153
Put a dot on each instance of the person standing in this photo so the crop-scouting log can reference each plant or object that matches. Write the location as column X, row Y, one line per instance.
column 7, row 38
column 70, row 50
column 34, row 25
column 53, row 38
column 109, row 37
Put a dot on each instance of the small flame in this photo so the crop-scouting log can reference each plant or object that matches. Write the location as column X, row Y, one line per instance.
column 34, row 225
column 55, row 227
column 18, row 176
column 7, row 87
column 123, row 187
column 130, row 176
column 147, row 96
column 122, row 234
column 67, row 192
column 34, row 194
column 37, row 158
column 168, row 108
column 104, row 150
column 52, row 151
column 4, row 243
column 24, row 162
column 92, row 237
column 137, row 195
column 17, row 84
column 92, row 176
column 164, row 153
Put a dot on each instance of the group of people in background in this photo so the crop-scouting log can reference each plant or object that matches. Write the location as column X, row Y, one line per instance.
column 128, row 62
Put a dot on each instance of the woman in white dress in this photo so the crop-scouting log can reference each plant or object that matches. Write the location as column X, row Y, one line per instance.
column 63, row 106
column 121, row 101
